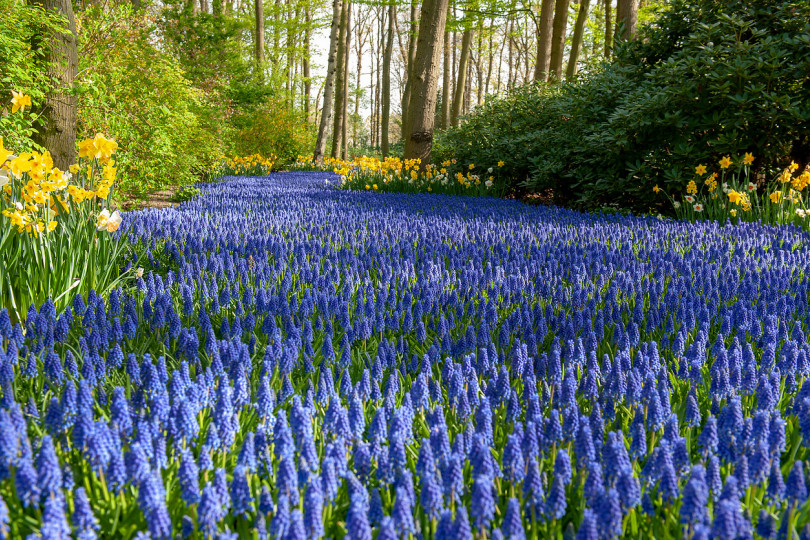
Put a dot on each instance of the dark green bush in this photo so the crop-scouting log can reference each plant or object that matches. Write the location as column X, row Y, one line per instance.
column 707, row 79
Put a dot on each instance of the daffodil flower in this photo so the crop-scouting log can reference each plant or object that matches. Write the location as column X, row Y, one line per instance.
column 108, row 222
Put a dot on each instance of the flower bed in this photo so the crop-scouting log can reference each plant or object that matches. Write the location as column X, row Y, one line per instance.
column 303, row 362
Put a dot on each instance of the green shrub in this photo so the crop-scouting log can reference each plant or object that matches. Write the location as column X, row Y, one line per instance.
column 137, row 93
column 275, row 129
column 23, row 68
column 707, row 79
column 186, row 194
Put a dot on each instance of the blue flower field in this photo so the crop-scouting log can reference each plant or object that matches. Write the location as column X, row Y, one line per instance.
column 300, row 361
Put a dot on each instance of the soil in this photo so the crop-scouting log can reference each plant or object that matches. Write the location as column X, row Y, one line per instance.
column 157, row 199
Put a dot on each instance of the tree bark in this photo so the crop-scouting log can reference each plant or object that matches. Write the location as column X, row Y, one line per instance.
column 608, row 28
column 259, row 11
column 461, row 78
column 406, row 94
column 58, row 131
column 576, row 40
column 544, row 33
column 626, row 18
column 446, row 72
column 386, row 78
column 558, row 37
column 306, row 67
column 422, row 109
column 329, row 84
column 344, row 122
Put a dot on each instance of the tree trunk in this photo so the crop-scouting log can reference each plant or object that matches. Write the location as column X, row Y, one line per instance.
column 422, row 109
column 337, row 128
column 329, row 84
column 461, row 78
column 406, row 94
column 344, row 123
column 259, row 9
column 626, row 17
column 558, row 37
column 576, row 40
column 608, row 27
column 544, row 33
column 446, row 72
column 58, row 117
column 490, row 59
column 479, row 68
column 360, row 42
column 306, row 67
column 386, row 78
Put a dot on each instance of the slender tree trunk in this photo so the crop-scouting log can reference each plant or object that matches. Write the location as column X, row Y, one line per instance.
column 58, row 131
column 419, row 141
column 216, row 7
column 510, row 60
column 329, row 84
column 558, row 37
column 544, row 34
column 608, row 28
column 386, row 78
column 306, row 68
column 479, row 68
column 337, row 129
column 406, row 94
column 344, row 118
column 446, row 73
column 576, row 40
column 461, row 79
column 491, row 57
column 259, row 9
column 626, row 18
column 360, row 39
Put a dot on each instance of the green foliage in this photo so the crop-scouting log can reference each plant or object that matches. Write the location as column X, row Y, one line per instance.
column 707, row 79
column 22, row 68
column 138, row 94
column 272, row 128
column 186, row 194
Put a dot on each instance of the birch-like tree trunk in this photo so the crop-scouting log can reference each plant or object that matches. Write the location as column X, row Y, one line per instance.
column 422, row 109
column 446, row 74
column 329, row 84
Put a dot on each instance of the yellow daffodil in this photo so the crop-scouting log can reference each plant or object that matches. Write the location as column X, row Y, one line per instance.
column 4, row 154
column 726, row 162
column 691, row 187
column 776, row 196
column 700, row 169
column 656, row 189
column 19, row 101
column 501, row 164
column 748, row 159
column 734, row 197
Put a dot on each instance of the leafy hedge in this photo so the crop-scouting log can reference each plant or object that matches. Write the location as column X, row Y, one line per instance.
column 707, row 79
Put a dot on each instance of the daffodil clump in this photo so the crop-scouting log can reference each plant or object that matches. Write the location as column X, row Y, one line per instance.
column 56, row 227
column 254, row 165
column 731, row 193
column 393, row 174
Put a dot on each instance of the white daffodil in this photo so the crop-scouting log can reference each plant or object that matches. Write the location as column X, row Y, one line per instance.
column 107, row 221
column 4, row 179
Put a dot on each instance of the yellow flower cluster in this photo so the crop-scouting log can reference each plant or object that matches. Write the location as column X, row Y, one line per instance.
column 34, row 192
column 255, row 164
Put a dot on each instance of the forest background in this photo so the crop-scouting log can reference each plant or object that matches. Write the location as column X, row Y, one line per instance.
column 180, row 84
